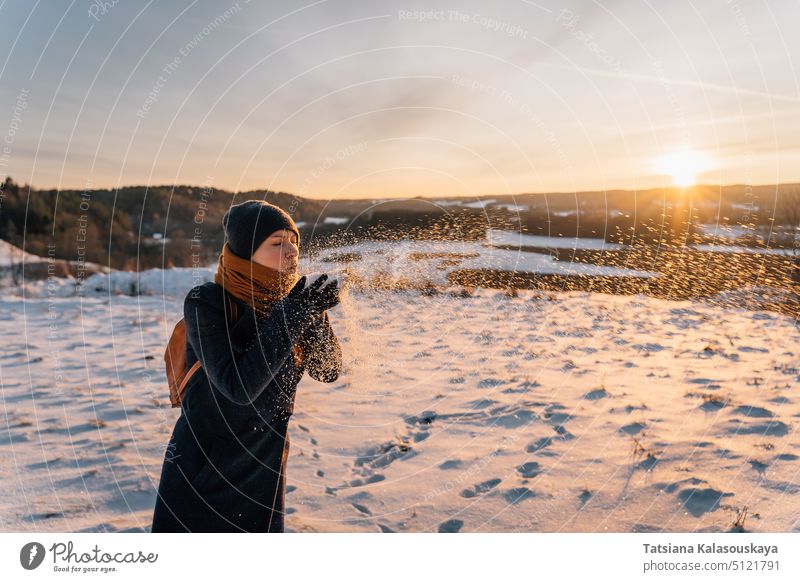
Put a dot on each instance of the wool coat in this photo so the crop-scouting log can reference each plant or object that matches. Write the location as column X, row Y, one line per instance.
column 224, row 468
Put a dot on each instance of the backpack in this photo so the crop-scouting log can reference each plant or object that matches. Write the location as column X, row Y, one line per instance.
column 175, row 360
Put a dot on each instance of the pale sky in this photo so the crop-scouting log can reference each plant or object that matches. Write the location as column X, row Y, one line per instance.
column 345, row 99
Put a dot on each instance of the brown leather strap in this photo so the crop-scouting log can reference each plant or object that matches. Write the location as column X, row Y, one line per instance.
column 188, row 376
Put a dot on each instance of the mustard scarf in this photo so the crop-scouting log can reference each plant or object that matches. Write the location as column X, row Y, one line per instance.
column 257, row 285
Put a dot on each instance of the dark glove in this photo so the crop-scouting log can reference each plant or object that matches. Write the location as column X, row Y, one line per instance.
column 308, row 303
column 321, row 296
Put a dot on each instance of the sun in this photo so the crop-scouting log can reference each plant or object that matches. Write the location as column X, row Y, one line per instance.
column 683, row 166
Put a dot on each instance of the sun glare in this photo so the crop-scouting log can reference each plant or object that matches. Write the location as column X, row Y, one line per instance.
column 683, row 166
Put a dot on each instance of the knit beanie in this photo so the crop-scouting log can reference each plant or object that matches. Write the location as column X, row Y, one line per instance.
column 248, row 224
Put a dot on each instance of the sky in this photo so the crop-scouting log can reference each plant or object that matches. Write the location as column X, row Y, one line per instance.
column 343, row 99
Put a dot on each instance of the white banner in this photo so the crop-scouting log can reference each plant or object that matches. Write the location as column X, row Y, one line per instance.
column 412, row 556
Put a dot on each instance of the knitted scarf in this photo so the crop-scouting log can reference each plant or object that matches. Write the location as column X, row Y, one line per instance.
column 257, row 285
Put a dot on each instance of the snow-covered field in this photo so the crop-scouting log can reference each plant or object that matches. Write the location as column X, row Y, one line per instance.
column 736, row 249
column 414, row 260
column 11, row 255
column 510, row 237
column 541, row 412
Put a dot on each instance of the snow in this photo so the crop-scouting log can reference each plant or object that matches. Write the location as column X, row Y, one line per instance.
column 730, row 231
column 516, row 238
column 405, row 258
column 175, row 281
column 506, row 414
column 336, row 220
column 9, row 254
column 735, row 249
column 479, row 204
column 544, row 412
column 513, row 207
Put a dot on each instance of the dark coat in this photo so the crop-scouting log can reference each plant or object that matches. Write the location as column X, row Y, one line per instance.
column 225, row 466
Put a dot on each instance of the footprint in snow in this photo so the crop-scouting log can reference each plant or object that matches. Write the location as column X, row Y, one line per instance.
column 518, row 494
column 451, row 526
column 483, row 487
column 633, row 428
column 362, row 508
column 529, row 469
column 753, row 411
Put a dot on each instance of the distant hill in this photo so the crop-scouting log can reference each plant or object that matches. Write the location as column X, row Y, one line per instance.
column 139, row 227
column 133, row 228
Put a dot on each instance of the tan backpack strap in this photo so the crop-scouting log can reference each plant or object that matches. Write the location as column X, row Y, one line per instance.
column 188, row 376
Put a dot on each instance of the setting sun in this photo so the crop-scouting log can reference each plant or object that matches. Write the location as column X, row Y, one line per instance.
column 683, row 166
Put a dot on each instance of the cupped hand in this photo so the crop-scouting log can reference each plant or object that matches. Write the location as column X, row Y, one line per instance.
column 322, row 294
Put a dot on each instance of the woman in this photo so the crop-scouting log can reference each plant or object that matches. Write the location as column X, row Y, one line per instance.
column 224, row 468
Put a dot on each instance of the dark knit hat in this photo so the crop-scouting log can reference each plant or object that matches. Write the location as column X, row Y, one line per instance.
column 248, row 224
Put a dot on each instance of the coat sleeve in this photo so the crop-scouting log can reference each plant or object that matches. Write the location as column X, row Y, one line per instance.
column 323, row 352
column 241, row 376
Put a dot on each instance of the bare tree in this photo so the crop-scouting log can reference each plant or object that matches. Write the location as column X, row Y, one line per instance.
column 790, row 208
column 14, row 254
column 790, row 212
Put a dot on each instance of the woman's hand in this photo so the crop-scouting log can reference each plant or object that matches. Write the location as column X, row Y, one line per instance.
column 315, row 298
column 322, row 296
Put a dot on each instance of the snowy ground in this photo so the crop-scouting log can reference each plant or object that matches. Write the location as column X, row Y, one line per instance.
column 482, row 413
column 416, row 260
column 11, row 255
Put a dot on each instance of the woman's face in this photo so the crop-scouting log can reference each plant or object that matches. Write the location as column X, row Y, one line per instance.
column 279, row 251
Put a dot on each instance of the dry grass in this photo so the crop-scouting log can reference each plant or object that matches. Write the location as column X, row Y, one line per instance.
column 741, row 516
column 685, row 274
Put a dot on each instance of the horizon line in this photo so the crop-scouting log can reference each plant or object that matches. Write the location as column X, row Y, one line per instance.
column 408, row 197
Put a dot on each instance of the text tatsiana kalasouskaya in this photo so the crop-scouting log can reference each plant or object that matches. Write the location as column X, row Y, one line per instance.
column 710, row 549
